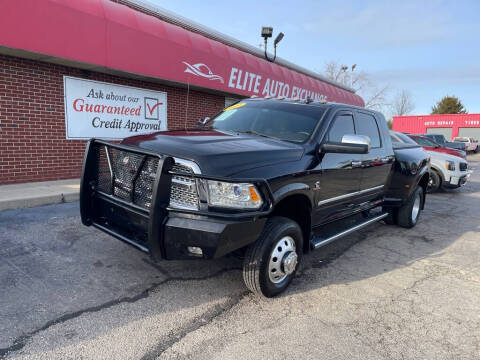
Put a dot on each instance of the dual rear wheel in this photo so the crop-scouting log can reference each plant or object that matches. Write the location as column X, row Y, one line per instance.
column 408, row 214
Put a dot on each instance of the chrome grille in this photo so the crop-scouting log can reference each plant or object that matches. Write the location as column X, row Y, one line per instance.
column 183, row 193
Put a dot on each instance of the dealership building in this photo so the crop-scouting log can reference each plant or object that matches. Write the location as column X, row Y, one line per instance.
column 450, row 125
column 71, row 70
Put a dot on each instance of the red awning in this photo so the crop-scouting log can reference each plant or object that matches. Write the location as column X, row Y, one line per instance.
column 114, row 36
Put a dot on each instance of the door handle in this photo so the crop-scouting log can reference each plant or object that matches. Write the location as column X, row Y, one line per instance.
column 356, row 164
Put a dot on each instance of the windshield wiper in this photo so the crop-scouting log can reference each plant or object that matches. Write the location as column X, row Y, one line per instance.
column 251, row 132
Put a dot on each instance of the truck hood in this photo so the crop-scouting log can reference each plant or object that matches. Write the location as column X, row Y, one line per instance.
column 434, row 155
column 218, row 153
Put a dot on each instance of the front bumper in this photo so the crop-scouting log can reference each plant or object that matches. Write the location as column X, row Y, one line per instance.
column 177, row 233
column 161, row 231
column 215, row 237
column 457, row 181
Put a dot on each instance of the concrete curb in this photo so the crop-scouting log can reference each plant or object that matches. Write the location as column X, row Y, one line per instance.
column 19, row 196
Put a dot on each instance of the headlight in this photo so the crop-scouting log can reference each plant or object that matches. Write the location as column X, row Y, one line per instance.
column 231, row 195
column 450, row 165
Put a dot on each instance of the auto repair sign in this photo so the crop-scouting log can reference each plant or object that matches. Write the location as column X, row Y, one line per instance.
column 103, row 110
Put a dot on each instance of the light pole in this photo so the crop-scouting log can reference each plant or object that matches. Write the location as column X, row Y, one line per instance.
column 351, row 77
column 344, row 68
column 267, row 32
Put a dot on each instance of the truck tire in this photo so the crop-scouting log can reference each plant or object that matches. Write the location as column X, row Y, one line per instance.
column 271, row 262
column 434, row 181
column 409, row 213
column 391, row 219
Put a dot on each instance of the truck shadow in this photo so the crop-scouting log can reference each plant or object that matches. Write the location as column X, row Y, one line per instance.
column 102, row 273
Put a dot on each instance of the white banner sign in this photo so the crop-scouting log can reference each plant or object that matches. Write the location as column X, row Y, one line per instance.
column 103, row 110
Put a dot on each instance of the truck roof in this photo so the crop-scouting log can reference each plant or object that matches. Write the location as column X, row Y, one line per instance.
column 308, row 101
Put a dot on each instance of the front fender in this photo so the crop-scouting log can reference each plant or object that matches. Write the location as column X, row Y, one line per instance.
column 293, row 189
column 439, row 170
column 418, row 177
column 420, row 174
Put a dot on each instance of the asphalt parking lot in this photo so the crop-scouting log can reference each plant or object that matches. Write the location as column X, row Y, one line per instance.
column 71, row 292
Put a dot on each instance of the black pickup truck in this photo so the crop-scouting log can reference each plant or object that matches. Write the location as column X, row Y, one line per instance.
column 270, row 179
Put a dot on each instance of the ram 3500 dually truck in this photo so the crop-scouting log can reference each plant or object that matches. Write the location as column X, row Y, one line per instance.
column 270, row 179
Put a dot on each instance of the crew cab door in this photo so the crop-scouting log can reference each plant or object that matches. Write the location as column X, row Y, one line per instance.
column 339, row 182
column 377, row 164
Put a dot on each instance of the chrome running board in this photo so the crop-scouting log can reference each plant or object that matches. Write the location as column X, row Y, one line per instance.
column 319, row 242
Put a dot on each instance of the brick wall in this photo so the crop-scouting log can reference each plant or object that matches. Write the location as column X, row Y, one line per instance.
column 32, row 118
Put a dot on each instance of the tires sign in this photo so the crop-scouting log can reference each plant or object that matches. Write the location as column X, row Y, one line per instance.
column 104, row 110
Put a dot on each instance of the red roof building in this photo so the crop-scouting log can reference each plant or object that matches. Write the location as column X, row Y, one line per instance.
column 450, row 125
column 71, row 70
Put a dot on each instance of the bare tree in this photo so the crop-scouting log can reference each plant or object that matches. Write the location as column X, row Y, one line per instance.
column 360, row 81
column 403, row 103
column 375, row 97
column 334, row 71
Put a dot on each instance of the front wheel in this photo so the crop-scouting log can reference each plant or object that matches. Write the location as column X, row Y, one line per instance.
column 434, row 182
column 271, row 262
column 409, row 213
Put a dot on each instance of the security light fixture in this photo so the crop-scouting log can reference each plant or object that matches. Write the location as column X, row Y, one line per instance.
column 267, row 32
column 278, row 39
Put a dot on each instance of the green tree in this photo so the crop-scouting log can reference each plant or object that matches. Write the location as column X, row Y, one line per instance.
column 449, row 105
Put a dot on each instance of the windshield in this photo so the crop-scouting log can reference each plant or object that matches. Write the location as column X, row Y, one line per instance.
column 284, row 121
column 424, row 141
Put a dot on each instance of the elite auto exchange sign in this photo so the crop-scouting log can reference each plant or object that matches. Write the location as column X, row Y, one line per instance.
column 104, row 110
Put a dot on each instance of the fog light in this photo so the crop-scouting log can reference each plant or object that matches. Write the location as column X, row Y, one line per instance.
column 195, row 250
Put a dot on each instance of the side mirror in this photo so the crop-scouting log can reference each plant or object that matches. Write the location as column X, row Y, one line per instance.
column 204, row 121
column 350, row 144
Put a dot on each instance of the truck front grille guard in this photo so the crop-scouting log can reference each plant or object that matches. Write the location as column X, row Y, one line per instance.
column 125, row 175
column 125, row 191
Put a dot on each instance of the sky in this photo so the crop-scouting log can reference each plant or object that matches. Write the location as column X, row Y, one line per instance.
column 430, row 48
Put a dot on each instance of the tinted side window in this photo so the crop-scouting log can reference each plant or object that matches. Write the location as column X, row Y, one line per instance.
column 423, row 141
column 343, row 124
column 367, row 125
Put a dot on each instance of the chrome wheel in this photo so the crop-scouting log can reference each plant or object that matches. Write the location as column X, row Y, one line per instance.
column 283, row 260
column 416, row 208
